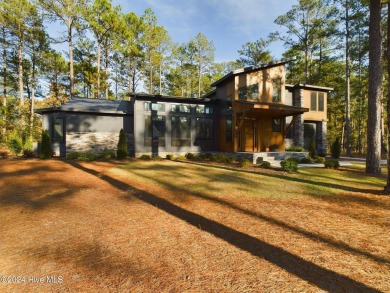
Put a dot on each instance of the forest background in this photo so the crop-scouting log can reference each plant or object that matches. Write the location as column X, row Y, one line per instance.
column 111, row 53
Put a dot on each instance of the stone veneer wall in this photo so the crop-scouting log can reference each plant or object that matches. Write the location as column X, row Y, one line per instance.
column 298, row 101
column 94, row 142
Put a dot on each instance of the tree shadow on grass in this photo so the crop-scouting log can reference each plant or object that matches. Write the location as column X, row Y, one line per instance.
column 316, row 237
column 33, row 192
column 308, row 271
column 339, row 197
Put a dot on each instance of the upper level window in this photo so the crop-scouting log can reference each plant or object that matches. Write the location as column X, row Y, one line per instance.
column 181, row 108
column 276, row 90
column 148, row 106
column 317, row 101
column 202, row 109
column 250, row 92
column 58, row 129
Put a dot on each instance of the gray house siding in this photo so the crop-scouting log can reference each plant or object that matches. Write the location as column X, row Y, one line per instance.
column 95, row 133
column 162, row 129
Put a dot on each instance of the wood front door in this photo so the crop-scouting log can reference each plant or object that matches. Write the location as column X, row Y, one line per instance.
column 249, row 135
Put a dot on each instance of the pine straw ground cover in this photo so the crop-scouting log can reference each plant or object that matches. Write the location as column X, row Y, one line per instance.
column 148, row 226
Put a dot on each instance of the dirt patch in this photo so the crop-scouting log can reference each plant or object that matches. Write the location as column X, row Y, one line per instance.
column 85, row 227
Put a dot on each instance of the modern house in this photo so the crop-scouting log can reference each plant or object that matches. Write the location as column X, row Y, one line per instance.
column 251, row 110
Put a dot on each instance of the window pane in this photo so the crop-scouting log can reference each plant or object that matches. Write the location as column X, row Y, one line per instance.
column 181, row 108
column 155, row 127
column 250, row 92
column 276, row 125
column 321, row 101
column 204, row 128
column 202, row 109
column 58, row 129
column 181, row 131
column 229, row 128
column 154, row 106
column 276, row 90
column 313, row 101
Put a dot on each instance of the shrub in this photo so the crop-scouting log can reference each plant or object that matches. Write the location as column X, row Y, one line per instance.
column 181, row 158
column 332, row 164
column 289, row 165
column 15, row 144
column 28, row 154
column 106, row 154
column 157, row 158
column 296, row 148
column 335, row 149
column 145, row 157
column 121, row 152
column 229, row 160
column 312, row 148
column 46, row 152
column 221, row 158
column 318, row 159
column 209, row 156
column 72, row 155
column 265, row 165
column 190, row 156
column 4, row 154
column 245, row 163
column 87, row 157
column 307, row 161
column 169, row 157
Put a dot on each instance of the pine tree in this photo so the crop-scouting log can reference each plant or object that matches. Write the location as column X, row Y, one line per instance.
column 46, row 152
column 121, row 152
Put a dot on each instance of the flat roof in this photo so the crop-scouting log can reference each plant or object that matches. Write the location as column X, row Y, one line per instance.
column 309, row 87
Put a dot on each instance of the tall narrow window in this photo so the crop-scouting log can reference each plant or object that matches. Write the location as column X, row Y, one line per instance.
column 155, row 129
column 58, row 129
column 276, row 90
column 229, row 128
column 321, row 102
column 181, row 131
column 313, row 101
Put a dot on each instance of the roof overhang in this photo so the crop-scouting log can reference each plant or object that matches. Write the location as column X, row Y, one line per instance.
column 273, row 109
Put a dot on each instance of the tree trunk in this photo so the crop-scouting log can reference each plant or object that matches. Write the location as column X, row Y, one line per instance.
column 20, row 71
column 4, row 129
column 98, row 69
column 347, row 85
column 387, row 187
column 32, row 100
column 71, row 74
column 106, row 72
column 374, row 90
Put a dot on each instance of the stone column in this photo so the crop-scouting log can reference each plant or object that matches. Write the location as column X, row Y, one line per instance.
column 298, row 123
column 321, row 138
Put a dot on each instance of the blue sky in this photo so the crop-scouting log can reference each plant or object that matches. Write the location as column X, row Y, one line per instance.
column 228, row 23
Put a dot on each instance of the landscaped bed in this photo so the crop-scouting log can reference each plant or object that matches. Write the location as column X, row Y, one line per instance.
column 167, row 226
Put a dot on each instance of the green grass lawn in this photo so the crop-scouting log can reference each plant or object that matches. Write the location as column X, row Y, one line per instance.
column 214, row 180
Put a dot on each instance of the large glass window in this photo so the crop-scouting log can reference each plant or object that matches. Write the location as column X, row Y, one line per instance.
column 155, row 130
column 204, row 132
column 160, row 107
column 250, row 92
column 58, row 129
column 276, row 90
column 181, row 131
column 317, row 101
column 181, row 108
column 229, row 128
column 202, row 109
